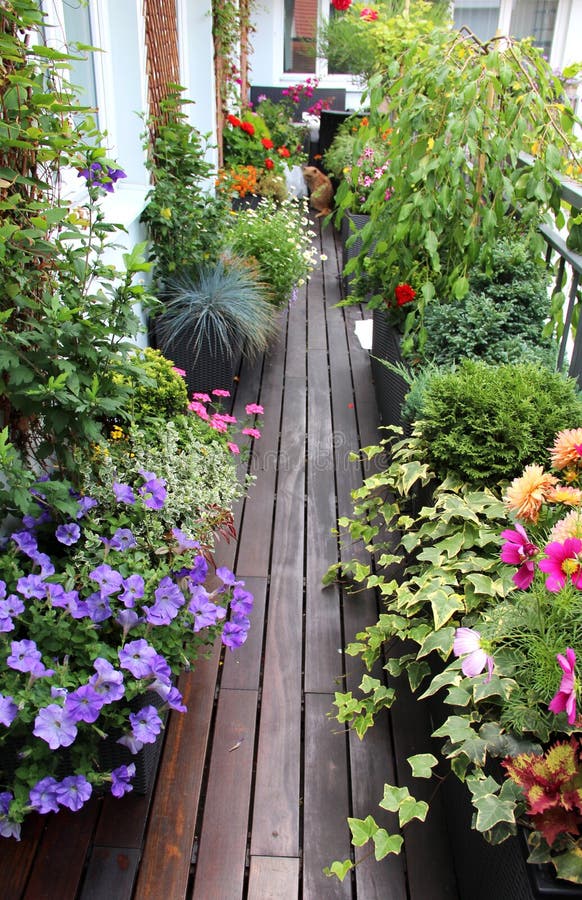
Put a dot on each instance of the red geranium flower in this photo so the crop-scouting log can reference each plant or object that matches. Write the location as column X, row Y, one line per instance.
column 234, row 120
column 404, row 294
column 248, row 127
column 341, row 4
column 269, row 164
column 282, row 151
column 267, row 143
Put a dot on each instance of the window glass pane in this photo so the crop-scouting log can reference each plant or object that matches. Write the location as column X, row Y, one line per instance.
column 300, row 32
column 78, row 31
column 480, row 16
column 535, row 18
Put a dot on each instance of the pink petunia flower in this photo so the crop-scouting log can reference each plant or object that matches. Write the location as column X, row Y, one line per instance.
column 565, row 698
column 562, row 562
column 203, row 398
column 197, row 407
column 518, row 551
column 468, row 641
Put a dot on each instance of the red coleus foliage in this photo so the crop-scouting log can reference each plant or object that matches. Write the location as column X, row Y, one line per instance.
column 552, row 786
column 404, row 294
column 341, row 4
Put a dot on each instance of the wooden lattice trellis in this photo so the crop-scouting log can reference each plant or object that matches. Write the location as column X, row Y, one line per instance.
column 162, row 60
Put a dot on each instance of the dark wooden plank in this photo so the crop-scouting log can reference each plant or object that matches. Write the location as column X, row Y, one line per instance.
column 326, row 803
column 275, row 826
column 242, row 667
column 254, row 545
column 59, row 864
column 17, row 857
column 111, row 874
column 273, row 878
column 165, row 866
column 220, row 865
column 295, row 365
column 323, row 632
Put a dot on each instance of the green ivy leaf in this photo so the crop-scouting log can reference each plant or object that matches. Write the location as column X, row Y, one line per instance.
column 422, row 764
column 339, row 869
column 385, row 843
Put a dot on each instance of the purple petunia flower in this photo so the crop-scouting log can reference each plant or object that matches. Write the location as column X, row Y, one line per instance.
column 26, row 542
column 97, row 607
column 44, row 562
column 120, row 780
column 85, row 504
column 233, row 635
column 169, row 599
column 123, row 493
column 108, row 579
column 227, row 577
column 68, row 534
column 8, row 828
column 122, row 540
column 132, row 744
column 108, row 681
column 153, row 491
column 128, row 619
column 31, row 586
column 25, row 656
column 204, row 611
column 145, row 724
column 242, row 601
column 197, row 574
column 183, row 541
column 73, row 792
column 84, row 704
column 137, row 657
column 54, row 725
column 133, row 589
column 11, row 606
column 8, row 710
column 43, row 796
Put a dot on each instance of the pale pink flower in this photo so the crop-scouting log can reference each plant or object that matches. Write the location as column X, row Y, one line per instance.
column 468, row 641
column 179, row 371
column 234, row 448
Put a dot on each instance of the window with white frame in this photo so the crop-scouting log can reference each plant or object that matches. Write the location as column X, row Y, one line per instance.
column 526, row 18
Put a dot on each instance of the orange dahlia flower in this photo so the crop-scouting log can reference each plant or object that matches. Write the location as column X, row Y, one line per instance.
column 567, row 449
column 527, row 493
column 568, row 527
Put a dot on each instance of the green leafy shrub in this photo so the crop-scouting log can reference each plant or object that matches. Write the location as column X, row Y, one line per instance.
column 163, row 393
column 484, row 423
column 278, row 238
column 183, row 216
column 502, row 317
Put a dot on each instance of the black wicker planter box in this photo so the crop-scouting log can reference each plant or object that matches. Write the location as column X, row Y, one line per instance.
column 214, row 366
column 358, row 221
column 390, row 387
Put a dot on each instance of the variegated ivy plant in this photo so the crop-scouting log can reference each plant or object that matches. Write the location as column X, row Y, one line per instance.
column 438, row 569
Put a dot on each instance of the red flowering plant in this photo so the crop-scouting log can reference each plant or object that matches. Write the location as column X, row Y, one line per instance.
column 249, row 144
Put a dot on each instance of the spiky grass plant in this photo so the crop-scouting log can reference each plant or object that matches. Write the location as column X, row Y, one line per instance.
column 221, row 304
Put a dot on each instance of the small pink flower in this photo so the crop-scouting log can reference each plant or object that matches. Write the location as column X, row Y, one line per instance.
column 203, row 398
column 369, row 15
column 218, row 424
column 252, row 432
column 254, row 409
column 518, row 551
column 196, row 407
column 562, row 562
column 179, row 371
column 468, row 641
column 219, row 392
column 565, row 698
column 234, row 448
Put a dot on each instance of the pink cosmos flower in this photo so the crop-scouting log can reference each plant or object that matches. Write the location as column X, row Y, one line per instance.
column 252, row 432
column 234, row 448
column 562, row 562
column 219, row 392
column 565, row 698
column 179, row 371
column 369, row 15
column 254, row 409
column 468, row 641
column 518, row 551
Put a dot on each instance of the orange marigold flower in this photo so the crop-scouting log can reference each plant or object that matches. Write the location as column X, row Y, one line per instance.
column 568, row 527
column 526, row 494
column 567, row 449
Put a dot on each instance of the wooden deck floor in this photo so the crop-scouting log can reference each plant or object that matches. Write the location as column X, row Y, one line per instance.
column 256, row 781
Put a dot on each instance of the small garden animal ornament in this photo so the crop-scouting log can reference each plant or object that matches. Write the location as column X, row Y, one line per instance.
column 320, row 190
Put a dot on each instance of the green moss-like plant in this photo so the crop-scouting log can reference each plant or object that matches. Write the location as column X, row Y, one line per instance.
column 484, row 423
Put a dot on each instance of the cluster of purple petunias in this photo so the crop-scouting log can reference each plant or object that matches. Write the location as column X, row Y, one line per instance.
column 114, row 600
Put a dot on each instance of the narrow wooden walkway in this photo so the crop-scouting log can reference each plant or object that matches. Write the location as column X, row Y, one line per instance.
column 257, row 780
